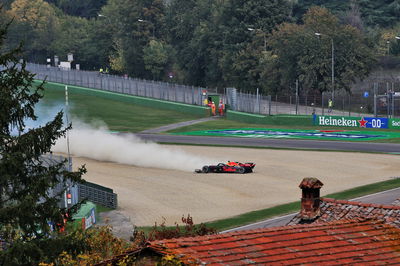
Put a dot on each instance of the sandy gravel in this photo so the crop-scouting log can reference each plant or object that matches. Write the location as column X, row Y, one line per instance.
column 148, row 195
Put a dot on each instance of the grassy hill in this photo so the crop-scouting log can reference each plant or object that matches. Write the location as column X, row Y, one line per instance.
column 116, row 115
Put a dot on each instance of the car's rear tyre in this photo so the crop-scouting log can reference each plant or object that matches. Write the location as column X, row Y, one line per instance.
column 241, row 170
column 206, row 169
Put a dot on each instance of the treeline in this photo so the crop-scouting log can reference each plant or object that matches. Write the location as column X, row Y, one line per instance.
column 250, row 44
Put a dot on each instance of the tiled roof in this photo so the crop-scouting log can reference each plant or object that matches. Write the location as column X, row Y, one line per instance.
column 334, row 210
column 342, row 242
column 396, row 202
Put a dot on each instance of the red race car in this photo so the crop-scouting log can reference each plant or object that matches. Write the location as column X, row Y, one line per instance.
column 230, row 167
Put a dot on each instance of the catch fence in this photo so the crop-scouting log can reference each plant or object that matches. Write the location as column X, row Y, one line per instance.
column 375, row 101
column 376, row 98
column 121, row 84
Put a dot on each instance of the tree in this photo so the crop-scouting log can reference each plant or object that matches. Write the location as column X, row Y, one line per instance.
column 86, row 9
column 353, row 16
column 155, row 57
column 301, row 55
column 26, row 207
column 36, row 24
column 381, row 13
column 212, row 39
column 133, row 24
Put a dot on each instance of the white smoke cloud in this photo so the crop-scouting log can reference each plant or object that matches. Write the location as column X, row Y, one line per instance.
column 100, row 144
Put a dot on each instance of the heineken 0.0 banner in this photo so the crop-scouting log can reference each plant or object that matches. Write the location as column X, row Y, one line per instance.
column 394, row 123
column 350, row 121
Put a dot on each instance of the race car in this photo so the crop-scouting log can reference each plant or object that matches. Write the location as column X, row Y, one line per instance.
column 230, row 167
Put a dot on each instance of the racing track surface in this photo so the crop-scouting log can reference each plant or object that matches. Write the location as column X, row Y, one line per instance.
column 275, row 143
column 147, row 194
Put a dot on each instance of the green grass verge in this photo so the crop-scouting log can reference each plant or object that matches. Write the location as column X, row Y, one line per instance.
column 116, row 115
column 277, row 120
column 100, row 209
column 224, row 123
column 259, row 215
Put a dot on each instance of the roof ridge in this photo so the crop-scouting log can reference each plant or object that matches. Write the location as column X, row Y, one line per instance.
column 276, row 230
column 361, row 204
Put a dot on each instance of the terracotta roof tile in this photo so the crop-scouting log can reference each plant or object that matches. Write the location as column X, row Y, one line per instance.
column 396, row 202
column 334, row 210
column 340, row 242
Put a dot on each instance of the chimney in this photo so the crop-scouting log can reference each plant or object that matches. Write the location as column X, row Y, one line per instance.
column 310, row 200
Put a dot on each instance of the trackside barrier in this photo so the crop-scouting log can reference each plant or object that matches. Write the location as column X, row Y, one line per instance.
column 358, row 122
column 150, row 102
column 98, row 194
column 122, row 84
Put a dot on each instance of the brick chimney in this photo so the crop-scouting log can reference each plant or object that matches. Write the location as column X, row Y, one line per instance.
column 310, row 200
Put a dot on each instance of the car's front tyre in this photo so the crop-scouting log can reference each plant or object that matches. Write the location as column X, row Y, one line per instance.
column 205, row 169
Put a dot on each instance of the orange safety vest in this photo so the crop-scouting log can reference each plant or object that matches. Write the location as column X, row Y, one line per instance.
column 221, row 107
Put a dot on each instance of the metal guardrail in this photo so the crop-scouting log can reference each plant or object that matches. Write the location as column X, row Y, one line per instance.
column 358, row 103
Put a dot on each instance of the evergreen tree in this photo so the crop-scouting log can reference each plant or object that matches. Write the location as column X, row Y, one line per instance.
column 26, row 207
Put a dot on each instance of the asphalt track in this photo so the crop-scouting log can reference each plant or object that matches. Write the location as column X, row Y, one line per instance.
column 275, row 143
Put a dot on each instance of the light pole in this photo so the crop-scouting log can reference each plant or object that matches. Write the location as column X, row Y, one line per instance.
column 145, row 21
column 388, row 44
column 102, row 16
column 106, row 17
column 265, row 39
column 397, row 45
column 388, row 47
column 332, row 66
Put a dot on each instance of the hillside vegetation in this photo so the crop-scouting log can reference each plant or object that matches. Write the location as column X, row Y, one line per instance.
column 244, row 44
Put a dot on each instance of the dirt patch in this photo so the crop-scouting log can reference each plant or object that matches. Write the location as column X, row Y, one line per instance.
column 148, row 195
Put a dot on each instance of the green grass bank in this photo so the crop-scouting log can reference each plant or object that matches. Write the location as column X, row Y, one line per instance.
column 143, row 101
column 117, row 112
column 275, row 120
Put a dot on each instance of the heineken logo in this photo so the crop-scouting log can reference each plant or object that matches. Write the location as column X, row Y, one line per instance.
column 341, row 121
column 337, row 121
column 395, row 123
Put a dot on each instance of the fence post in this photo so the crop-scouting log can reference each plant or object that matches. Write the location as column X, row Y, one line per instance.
column 322, row 103
column 387, row 100
column 375, row 107
column 175, row 93
column 297, row 95
column 349, row 104
column 343, row 105
column 269, row 104
column 306, row 103
column 184, row 96
column 391, row 95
